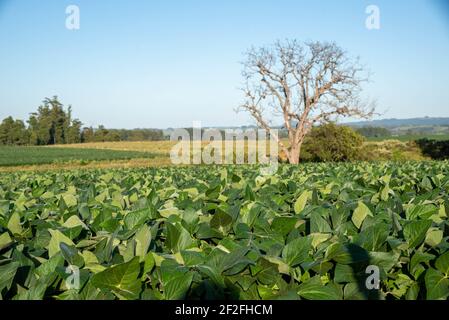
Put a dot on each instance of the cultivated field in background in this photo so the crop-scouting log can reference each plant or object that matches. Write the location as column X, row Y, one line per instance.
column 154, row 154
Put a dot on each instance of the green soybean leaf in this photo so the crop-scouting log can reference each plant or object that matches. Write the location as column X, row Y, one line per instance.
column 122, row 279
column 7, row 273
column 415, row 232
column 136, row 218
column 71, row 255
column 14, row 224
column 143, row 240
column 434, row 237
column 442, row 263
column 301, row 202
column 220, row 219
column 346, row 254
column 57, row 237
column 5, row 240
column 178, row 238
column 177, row 287
column 296, row 251
column 360, row 213
column 70, row 200
column 437, row 285
column 313, row 289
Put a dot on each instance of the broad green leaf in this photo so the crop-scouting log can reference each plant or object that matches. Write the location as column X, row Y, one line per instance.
column 5, row 240
column 266, row 272
column 301, row 202
column 373, row 237
column 176, row 280
column 442, row 263
column 420, row 211
column 281, row 265
column 313, row 289
column 360, row 213
column 434, row 237
column 346, row 254
column 70, row 200
column 169, row 212
column 384, row 195
column 14, row 224
column 49, row 267
column 192, row 258
column 4, row 207
column 413, row 292
column 283, row 225
column 220, row 219
column 136, row 218
column 384, row 260
column 143, row 240
column 437, row 285
column 122, row 279
column 178, row 238
column 148, row 264
column 415, row 232
column 38, row 288
column 235, row 261
column 318, row 224
column 71, row 255
column 177, row 287
column 420, row 257
column 7, row 273
column 296, row 251
column 91, row 262
column 344, row 273
column 57, row 237
column 74, row 221
column 318, row 238
column 352, row 291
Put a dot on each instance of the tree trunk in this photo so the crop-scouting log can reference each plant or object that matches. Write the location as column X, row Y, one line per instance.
column 293, row 156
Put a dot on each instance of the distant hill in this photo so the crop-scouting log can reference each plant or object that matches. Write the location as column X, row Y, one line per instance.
column 394, row 123
column 427, row 125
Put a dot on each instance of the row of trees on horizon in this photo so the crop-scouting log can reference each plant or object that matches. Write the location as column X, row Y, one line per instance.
column 53, row 124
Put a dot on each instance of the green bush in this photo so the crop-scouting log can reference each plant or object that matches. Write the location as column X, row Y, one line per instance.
column 437, row 150
column 331, row 142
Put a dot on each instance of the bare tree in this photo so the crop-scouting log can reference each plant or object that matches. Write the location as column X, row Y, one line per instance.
column 306, row 84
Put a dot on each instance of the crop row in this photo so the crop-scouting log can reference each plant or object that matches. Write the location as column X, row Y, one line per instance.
column 315, row 231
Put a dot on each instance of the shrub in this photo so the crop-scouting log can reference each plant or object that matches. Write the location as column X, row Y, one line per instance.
column 438, row 150
column 331, row 142
column 391, row 150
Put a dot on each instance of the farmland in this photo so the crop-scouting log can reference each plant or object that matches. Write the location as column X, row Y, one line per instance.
column 206, row 232
column 411, row 137
column 17, row 156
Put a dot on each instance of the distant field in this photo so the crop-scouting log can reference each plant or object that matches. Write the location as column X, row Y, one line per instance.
column 159, row 147
column 21, row 156
column 88, row 155
column 157, row 153
column 404, row 138
column 379, row 150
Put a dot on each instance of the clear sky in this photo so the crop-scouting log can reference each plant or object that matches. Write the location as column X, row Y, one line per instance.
column 167, row 63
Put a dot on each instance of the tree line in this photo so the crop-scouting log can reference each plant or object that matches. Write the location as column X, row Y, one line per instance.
column 374, row 132
column 52, row 123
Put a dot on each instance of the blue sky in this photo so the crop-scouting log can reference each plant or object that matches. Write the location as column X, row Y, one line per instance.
column 168, row 63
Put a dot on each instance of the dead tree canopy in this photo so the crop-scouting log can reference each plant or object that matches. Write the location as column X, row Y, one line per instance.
column 304, row 83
